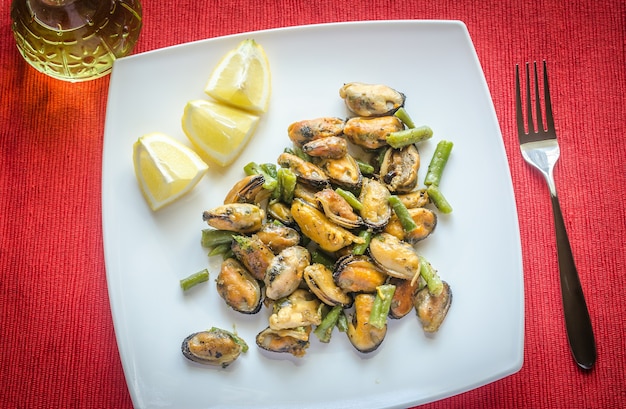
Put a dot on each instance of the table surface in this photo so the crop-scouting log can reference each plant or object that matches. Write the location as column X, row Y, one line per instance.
column 54, row 304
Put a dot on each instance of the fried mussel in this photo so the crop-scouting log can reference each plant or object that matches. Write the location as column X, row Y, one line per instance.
column 334, row 240
column 371, row 99
column 216, row 347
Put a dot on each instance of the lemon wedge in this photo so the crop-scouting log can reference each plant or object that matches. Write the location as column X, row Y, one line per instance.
column 242, row 78
column 218, row 132
column 165, row 168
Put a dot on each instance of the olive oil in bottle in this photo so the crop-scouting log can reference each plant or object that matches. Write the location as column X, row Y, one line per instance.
column 75, row 40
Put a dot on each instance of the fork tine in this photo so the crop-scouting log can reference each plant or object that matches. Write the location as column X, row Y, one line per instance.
column 538, row 115
column 518, row 104
column 547, row 102
column 529, row 106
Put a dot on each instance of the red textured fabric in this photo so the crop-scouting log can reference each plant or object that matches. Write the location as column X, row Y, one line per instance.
column 58, row 347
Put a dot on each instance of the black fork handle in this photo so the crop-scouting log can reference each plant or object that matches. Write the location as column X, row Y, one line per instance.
column 577, row 321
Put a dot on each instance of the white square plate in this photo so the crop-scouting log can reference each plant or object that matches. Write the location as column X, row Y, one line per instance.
column 476, row 248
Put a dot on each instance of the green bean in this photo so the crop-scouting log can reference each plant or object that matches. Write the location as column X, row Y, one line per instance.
column 299, row 153
column 322, row 258
column 438, row 163
column 275, row 196
column 406, row 137
column 433, row 281
column 342, row 322
column 359, row 249
column 228, row 254
column 382, row 303
column 219, row 249
column 365, row 168
column 211, row 238
column 350, row 198
column 270, row 183
column 407, row 222
column 438, row 199
column 325, row 329
column 254, row 168
column 287, row 181
column 270, row 169
column 403, row 115
column 194, row 279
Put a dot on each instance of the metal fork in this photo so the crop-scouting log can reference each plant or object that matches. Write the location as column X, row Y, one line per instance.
column 540, row 149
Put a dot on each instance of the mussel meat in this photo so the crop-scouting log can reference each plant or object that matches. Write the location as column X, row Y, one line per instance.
column 344, row 171
column 363, row 336
column 398, row 170
column 306, row 193
column 299, row 309
column 253, row 253
column 307, row 172
column 213, row 347
column 337, row 209
column 308, row 130
column 374, row 198
column 416, row 198
column 333, row 147
column 396, row 257
column 294, row 341
column 402, row 300
column 277, row 236
column 238, row 217
column 247, row 190
column 425, row 220
column 238, row 288
column 320, row 281
column 281, row 212
column 432, row 309
column 358, row 274
column 284, row 273
column 371, row 99
column 371, row 133
column 316, row 226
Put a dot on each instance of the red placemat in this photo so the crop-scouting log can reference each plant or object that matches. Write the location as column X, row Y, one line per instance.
column 58, row 343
